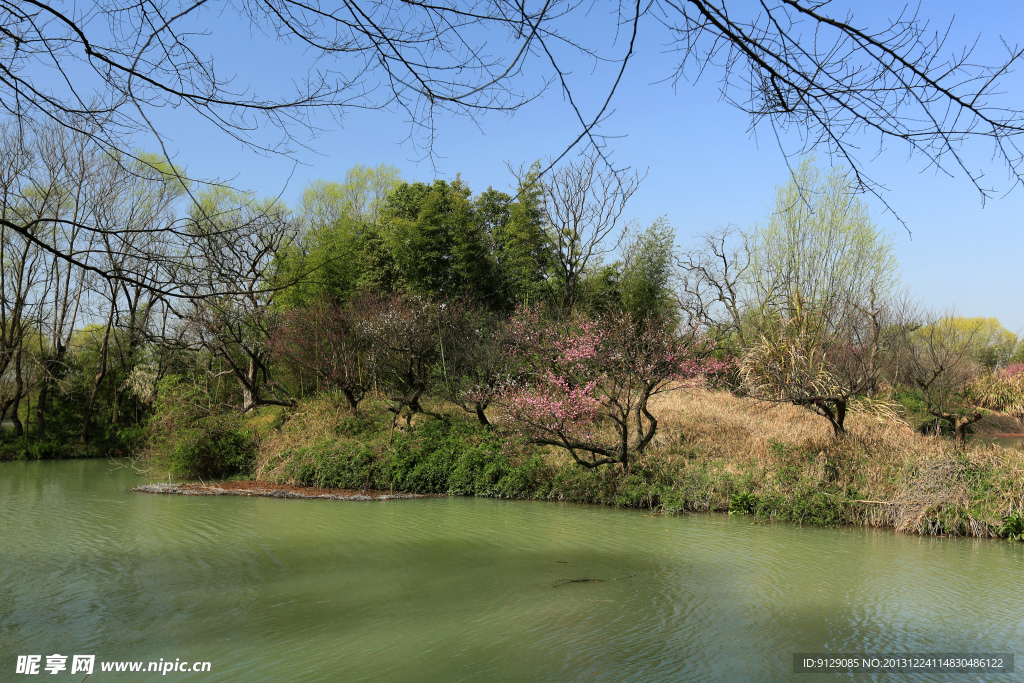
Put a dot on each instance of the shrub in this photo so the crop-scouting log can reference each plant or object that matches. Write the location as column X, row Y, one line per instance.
column 189, row 437
column 1002, row 391
column 1012, row 527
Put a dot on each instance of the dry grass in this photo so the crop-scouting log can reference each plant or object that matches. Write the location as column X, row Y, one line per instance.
column 917, row 484
column 712, row 445
column 313, row 421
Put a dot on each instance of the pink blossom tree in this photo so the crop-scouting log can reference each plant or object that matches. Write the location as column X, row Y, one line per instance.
column 585, row 385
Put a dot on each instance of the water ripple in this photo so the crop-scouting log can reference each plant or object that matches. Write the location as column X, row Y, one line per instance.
column 470, row 589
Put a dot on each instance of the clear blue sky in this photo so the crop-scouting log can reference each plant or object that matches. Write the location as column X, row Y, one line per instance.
column 705, row 168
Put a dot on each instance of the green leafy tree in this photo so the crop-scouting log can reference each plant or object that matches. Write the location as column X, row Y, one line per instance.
column 523, row 250
column 647, row 272
column 819, row 285
column 438, row 243
column 820, row 247
column 338, row 251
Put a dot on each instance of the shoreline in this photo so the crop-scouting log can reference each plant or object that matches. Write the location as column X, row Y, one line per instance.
column 265, row 490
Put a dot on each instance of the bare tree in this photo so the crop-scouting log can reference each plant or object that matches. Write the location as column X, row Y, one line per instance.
column 806, row 67
column 710, row 283
column 941, row 365
column 325, row 341
column 407, row 336
column 136, row 205
column 237, row 239
column 584, row 203
column 21, row 268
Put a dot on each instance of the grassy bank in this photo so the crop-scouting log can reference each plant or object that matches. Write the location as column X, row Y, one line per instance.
column 713, row 452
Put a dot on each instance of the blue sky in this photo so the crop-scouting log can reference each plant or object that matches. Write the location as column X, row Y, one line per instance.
column 705, row 168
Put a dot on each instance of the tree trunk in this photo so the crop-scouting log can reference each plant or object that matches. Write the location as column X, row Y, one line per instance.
column 481, row 417
column 837, row 417
column 101, row 372
column 350, row 396
column 115, row 405
column 19, row 388
column 44, row 390
column 49, row 367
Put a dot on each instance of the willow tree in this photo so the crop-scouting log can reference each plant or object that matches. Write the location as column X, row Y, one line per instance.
column 820, row 285
column 820, row 247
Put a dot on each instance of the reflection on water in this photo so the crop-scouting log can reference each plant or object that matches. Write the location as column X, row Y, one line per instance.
column 1015, row 442
column 469, row 589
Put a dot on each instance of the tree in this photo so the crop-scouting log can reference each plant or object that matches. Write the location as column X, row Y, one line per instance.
column 519, row 244
column 237, row 238
column 439, row 245
column 584, row 205
column 407, row 334
column 335, row 253
column 819, row 245
column 940, row 364
column 991, row 344
column 647, row 272
column 360, row 197
column 808, row 362
column 139, row 204
column 711, row 286
column 475, row 359
column 585, row 385
column 22, row 265
column 326, row 340
column 818, row 286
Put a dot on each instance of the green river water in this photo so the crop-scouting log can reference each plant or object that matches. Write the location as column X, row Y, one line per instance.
column 448, row 589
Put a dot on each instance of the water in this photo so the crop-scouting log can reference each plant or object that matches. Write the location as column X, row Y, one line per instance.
column 1013, row 442
column 465, row 589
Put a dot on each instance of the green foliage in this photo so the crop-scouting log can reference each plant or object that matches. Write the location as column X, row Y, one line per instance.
column 330, row 464
column 447, row 456
column 985, row 340
column 600, row 291
column 455, row 456
column 522, row 252
column 913, row 402
column 438, row 242
column 340, row 249
column 743, row 503
column 50, row 449
column 647, row 270
column 1012, row 527
column 996, row 392
column 189, row 437
column 819, row 249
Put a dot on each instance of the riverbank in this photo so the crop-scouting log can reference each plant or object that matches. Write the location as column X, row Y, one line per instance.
column 252, row 488
column 714, row 452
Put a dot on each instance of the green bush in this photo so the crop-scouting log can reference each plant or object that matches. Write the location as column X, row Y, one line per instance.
column 189, row 437
column 742, row 503
column 451, row 457
column 1012, row 527
column 329, row 464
